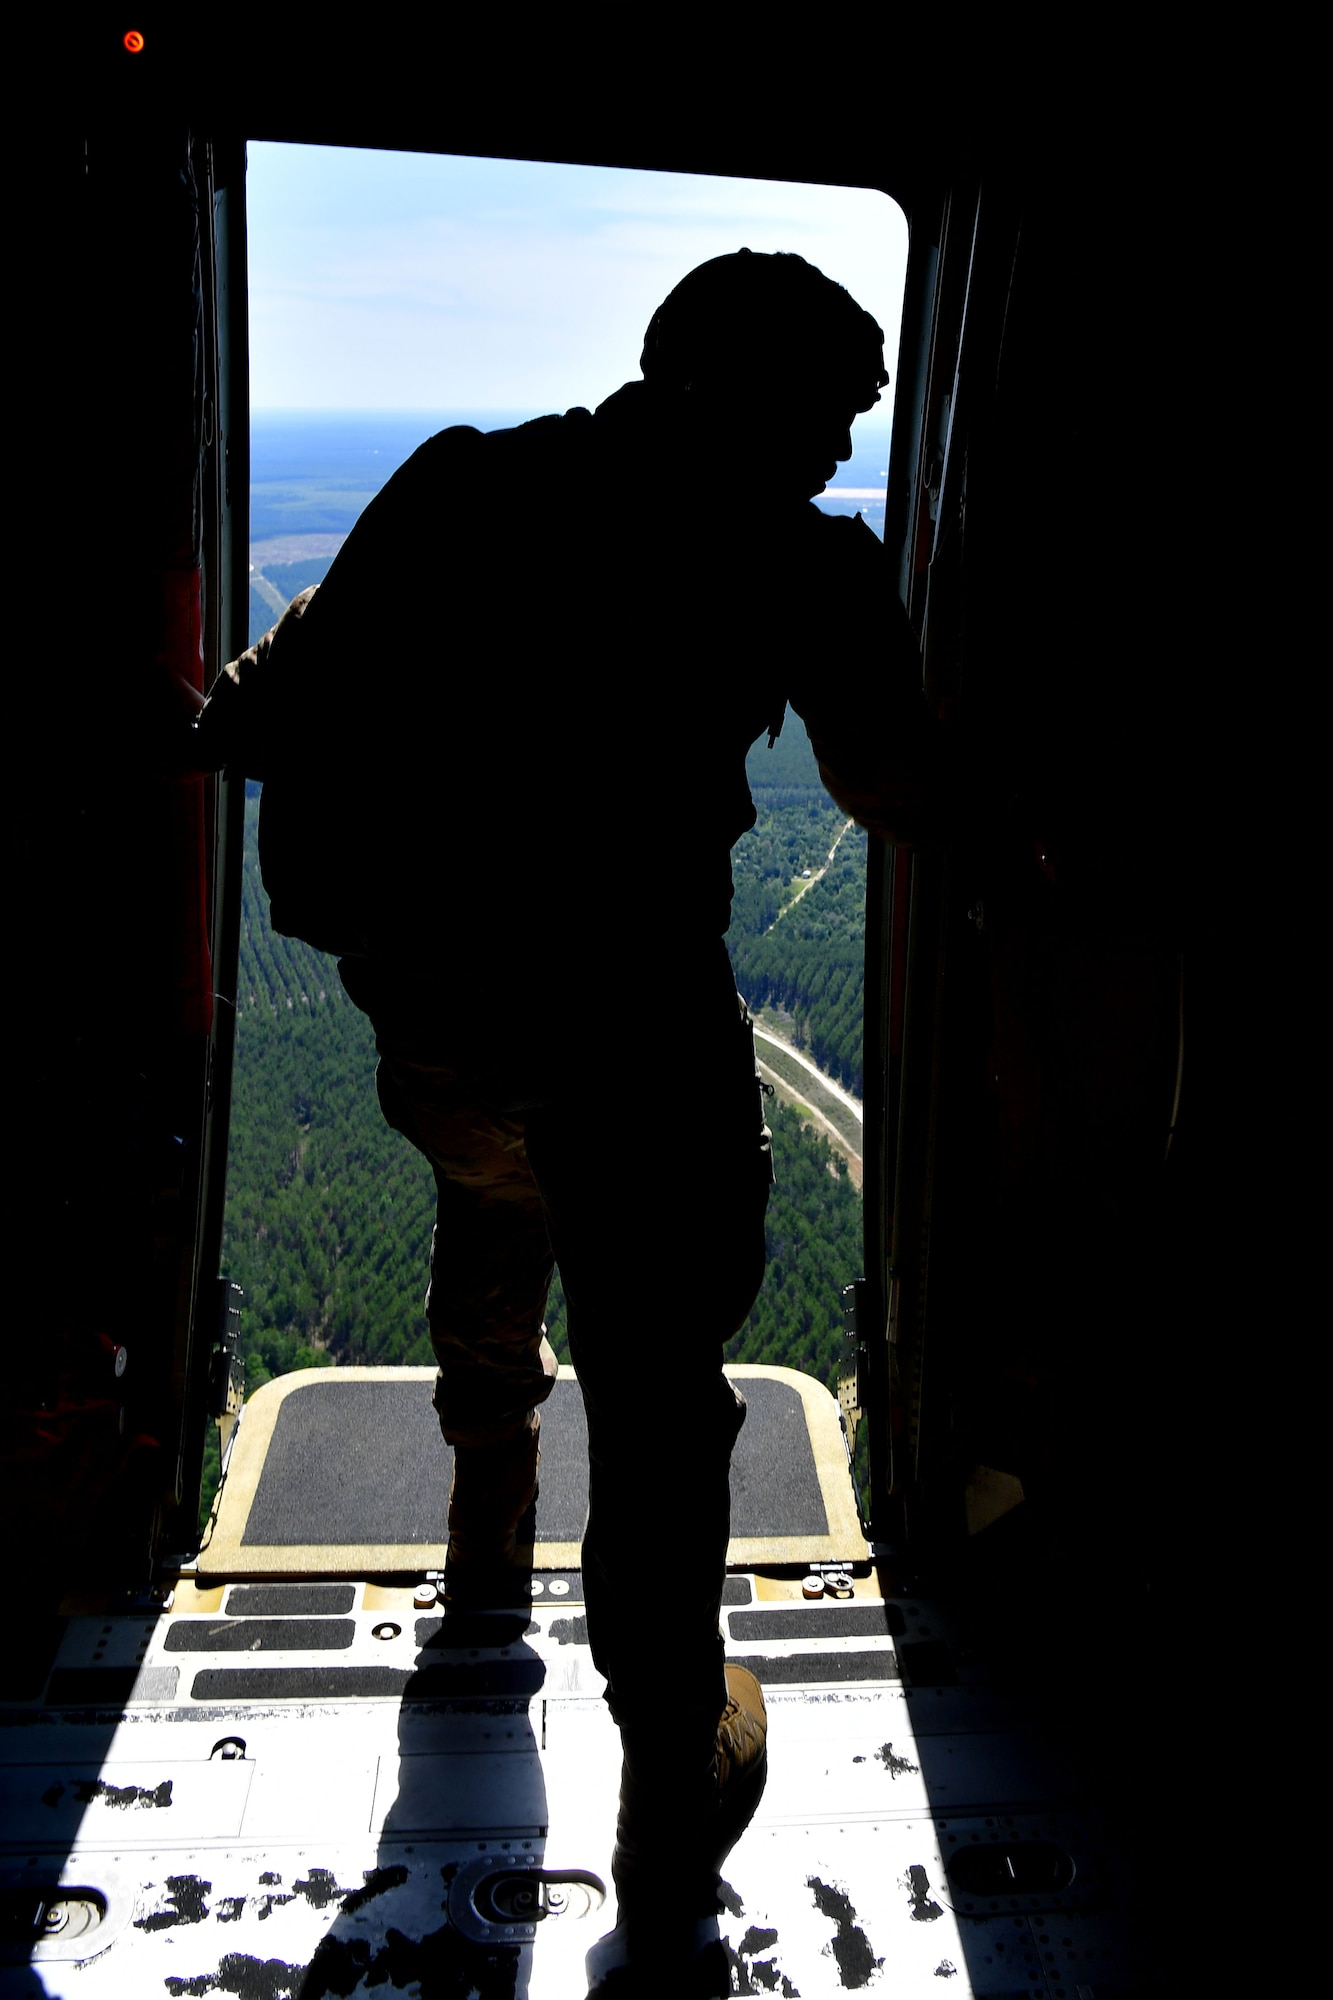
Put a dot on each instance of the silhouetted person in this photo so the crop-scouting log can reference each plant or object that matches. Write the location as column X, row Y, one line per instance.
column 504, row 746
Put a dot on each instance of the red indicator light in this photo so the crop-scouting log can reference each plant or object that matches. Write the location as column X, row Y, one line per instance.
column 132, row 40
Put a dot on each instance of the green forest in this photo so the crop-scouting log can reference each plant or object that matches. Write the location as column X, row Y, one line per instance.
column 329, row 1211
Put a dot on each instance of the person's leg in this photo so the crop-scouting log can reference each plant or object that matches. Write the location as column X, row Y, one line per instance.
column 657, row 1220
column 491, row 1269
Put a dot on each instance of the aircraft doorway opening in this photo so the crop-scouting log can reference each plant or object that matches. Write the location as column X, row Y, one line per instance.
column 390, row 296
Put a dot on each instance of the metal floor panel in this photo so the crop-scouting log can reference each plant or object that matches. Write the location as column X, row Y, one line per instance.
column 353, row 1846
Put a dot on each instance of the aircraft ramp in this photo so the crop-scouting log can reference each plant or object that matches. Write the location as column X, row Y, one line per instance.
column 343, row 1473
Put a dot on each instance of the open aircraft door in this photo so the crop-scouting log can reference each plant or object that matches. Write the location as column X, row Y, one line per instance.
column 131, row 878
column 1035, row 1228
column 963, row 245
column 1030, row 1266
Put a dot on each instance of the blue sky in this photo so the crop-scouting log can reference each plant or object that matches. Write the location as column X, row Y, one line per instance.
column 424, row 282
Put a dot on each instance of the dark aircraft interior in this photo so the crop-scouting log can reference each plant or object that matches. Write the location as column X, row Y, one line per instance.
column 1050, row 1070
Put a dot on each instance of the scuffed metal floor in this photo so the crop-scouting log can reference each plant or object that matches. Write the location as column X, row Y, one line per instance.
column 204, row 1837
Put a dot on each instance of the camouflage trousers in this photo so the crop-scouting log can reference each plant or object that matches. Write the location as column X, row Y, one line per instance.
column 655, row 1212
column 490, row 1260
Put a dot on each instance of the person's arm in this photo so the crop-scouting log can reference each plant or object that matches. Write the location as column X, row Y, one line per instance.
column 239, row 720
column 881, row 753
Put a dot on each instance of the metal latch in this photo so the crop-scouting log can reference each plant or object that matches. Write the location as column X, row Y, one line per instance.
column 850, row 1374
column 30, row 1916
column 226, row 1372
column 502, row 1898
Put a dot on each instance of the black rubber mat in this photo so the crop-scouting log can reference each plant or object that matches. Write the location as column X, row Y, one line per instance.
column 817, row 1621
column 782, row 1668
column 549, row 1592
column 290, row 1600
column 489, row 1679
column 260, row 1635
column 774, row 1485
column 363, row 1462
column 472, row 1631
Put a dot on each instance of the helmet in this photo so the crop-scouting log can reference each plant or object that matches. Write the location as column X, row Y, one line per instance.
column 754, row 318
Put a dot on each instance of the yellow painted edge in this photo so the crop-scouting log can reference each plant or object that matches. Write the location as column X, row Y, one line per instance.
column 844, row 1541
column 395, row 1597
column 206, row 1599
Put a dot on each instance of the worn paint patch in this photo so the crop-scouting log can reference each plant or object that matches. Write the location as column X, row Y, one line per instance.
column 320, row 1888
column 760, row 1976
column 186, row 1896
column 756, row 1939
column 896, row 1766
column 851, row 1947
column 441, row 1966
column 122, row 1797
column 924, row 1908
column 751, row 1973
column 755, row 1974
column 248, row 1978
column 338, row 1967
column 266, row 1905
column 378, row 1881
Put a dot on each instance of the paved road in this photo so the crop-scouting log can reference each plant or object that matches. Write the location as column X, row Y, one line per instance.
column 808, row 1110
column 844, row 1097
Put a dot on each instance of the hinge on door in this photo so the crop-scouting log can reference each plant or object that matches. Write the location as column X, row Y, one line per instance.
column 226, row 1374
column 849, row 1375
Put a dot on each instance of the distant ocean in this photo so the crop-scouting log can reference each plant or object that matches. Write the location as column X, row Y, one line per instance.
column 312, row 471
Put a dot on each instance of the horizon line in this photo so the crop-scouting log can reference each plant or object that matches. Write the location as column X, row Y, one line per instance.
column 441, row 409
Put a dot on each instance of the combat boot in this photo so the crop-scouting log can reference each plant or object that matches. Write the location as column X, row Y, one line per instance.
column 678, row 1821
column 492, row 1503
